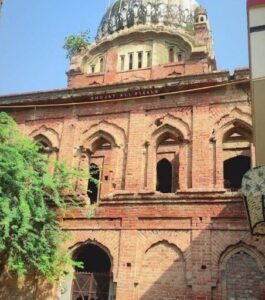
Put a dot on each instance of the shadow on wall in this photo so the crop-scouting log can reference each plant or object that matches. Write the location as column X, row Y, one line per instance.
column 12, row 287
column 217, row 265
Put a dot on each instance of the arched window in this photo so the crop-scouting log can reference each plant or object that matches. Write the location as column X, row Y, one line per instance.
column 93, row 184
column 167, row 168
column 171, row 55
column 94, row 280
column 101, row 66
column 164, row 176
column 44, row 144
column 237, row 156
column 100, row 169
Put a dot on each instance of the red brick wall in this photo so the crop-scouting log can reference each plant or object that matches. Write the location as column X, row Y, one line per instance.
column 180, row 237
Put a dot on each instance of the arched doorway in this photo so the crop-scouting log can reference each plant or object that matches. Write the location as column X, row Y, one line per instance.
column 164, row 176
column 94, row 280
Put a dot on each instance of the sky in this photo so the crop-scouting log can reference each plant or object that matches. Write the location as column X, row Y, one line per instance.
column 32, row 35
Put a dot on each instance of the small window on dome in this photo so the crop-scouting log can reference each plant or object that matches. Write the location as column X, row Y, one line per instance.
column 180, row 57
column 93, row 69
column 140, row 60
column 122, row 62
column 130, row 61
column 202, row 19
column 149, row 59
column 171, row 55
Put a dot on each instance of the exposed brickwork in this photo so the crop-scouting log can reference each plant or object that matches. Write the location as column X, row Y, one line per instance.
column 244, row 280
column 162, row 246
column 163, row 278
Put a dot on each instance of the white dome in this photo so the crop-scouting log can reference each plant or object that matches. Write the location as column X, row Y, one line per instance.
column 127, row 13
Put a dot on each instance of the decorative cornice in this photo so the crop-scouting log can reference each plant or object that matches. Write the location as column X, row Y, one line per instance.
column 121, row 91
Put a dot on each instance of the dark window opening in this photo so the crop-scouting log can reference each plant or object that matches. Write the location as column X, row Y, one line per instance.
column 171, row 55
column 44, row 144
column 140, row 60
column 101, row 68
column 180, row 57
column 149, row 59
column 94, row 279
column 234, row 170
column 130, row 61
column 202, row 19
column 164, row 176
column 93, row 184
column 122, row 62
column 92, row 69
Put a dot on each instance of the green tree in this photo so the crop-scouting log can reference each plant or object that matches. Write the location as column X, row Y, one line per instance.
column 75, row 42
column 30, row 235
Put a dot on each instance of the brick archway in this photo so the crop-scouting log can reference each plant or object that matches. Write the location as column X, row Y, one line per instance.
column 242, row 273
column 162, row 273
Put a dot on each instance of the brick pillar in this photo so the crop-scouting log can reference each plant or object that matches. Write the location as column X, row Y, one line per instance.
column 125, row 286
column 68, row 140
column 201, row 152
column 201, row 258
column 134, row 180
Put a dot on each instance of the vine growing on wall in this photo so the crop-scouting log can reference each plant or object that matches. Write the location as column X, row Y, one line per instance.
column 31, row 238
column 75, row 42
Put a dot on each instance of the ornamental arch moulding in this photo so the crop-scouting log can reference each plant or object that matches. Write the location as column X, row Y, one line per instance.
column 241, row 246
column 49, row 141
column 171, row 261
column 168, row 139
column 225, row 122
column 115, row 133
column 74, row 249
column 103, row 145
column 231, row 137
column 169, row 121
column 50, row 134
column 102, row 264
column 241, row 273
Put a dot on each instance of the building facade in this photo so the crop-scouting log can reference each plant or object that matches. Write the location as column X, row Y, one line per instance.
column 170, row 138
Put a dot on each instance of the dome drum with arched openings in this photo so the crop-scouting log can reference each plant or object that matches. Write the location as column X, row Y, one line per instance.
column 127, row 13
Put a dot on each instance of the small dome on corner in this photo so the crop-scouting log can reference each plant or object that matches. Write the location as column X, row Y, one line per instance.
column 200, row 10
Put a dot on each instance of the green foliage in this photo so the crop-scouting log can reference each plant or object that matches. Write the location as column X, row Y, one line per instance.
column 74, row 42
column 30, row 235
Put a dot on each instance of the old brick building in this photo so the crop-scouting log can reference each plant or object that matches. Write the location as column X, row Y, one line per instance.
column 170, row 138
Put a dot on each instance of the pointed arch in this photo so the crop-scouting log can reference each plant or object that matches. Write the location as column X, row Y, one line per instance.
column 236, row 118
column 95, row 279
column 166, row 242
column 170, row 123
column 169, row 137
column 110, row 131
column 48, row 133
column 75, row 248
column 242, row 272
column 166, row 278
column 231, row 140
column 104, row 143
column 241, row 246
